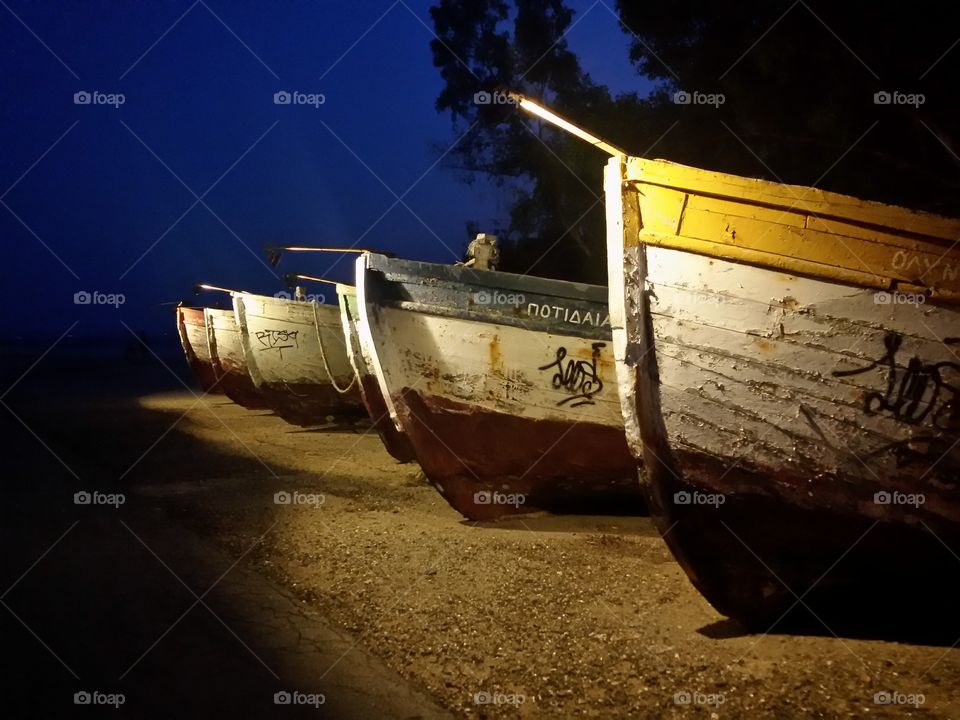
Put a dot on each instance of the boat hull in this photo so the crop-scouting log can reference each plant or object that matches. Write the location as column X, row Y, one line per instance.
column 289, row 347
column 394, row 440
column 799, row 433
column 508, row 412
column 227, row 359
column 192, row 329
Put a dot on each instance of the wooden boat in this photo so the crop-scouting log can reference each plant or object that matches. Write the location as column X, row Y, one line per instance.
column 789, row 368
column 192, row 329
column 358, row 352
column 228, row 361
column 503, row 383
column 297, row 359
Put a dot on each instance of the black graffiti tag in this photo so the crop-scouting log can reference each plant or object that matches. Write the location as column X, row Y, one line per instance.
column 576, row 376
column 921, row 394
column 278, row 340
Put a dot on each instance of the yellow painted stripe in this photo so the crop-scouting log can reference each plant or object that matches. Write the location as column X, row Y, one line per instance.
column 795, row 230
column 806, row 200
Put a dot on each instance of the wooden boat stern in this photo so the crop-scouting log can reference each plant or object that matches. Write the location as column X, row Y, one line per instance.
column 503, row 384
column 789, row 370
column 192, row 329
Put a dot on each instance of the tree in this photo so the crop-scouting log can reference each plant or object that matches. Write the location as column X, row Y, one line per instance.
column 800, row 82
column 482, row 46
column 786, row 90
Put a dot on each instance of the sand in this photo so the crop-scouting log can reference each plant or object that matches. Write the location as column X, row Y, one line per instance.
column 536, row 617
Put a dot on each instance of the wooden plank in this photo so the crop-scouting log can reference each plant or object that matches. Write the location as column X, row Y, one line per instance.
column 786, row 264
column 492, row 367
column 809, row 298
column 768, row 236
column 281, row 340
column 803, row 199
column 839, row 384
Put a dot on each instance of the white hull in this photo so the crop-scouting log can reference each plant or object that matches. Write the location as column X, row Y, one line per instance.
column 228, row 360
column 192, row 329
column 788, row 363
column 358, row 351
column 284, row 339
column 223, row 338
column 199, row 339
column 296, row 356
column 515, row 400
column 360, row 354
column 791, row 374
column 495, row 368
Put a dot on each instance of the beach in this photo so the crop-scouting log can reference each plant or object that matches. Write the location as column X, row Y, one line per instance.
column 249, row 557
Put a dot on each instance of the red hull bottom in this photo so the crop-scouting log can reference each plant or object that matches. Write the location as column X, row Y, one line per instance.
column 205, row 376
column 484, row 462
column 239, row 387
column 308, row 404
column 396, row 443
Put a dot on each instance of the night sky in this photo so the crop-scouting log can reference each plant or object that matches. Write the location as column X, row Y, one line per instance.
column 198, row 168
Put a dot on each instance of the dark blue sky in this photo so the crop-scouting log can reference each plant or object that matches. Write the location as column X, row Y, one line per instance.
column 115, row 199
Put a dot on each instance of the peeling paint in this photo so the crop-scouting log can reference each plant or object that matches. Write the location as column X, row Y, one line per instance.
column 798, row 396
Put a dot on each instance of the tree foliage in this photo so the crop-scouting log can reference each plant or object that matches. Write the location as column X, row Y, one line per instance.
column 798, row 79
column 556, row 220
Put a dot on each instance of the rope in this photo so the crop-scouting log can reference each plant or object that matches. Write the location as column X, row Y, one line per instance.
column 323, row 356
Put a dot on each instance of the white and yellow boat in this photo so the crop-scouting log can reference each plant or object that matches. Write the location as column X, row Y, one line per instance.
column 788, row 362
column 789, row 369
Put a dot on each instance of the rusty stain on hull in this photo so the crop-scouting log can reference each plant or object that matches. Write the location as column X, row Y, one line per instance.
column 495, row 354
column 556, row 466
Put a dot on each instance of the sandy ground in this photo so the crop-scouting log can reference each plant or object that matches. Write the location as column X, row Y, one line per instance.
column 536, row 617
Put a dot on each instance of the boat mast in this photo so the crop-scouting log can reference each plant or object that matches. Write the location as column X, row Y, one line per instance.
column 199, row 287
column 288, row 278
column 274, row 252
column 535, row 108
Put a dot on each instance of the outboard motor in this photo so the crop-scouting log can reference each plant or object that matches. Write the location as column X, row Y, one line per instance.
column 483, row 253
